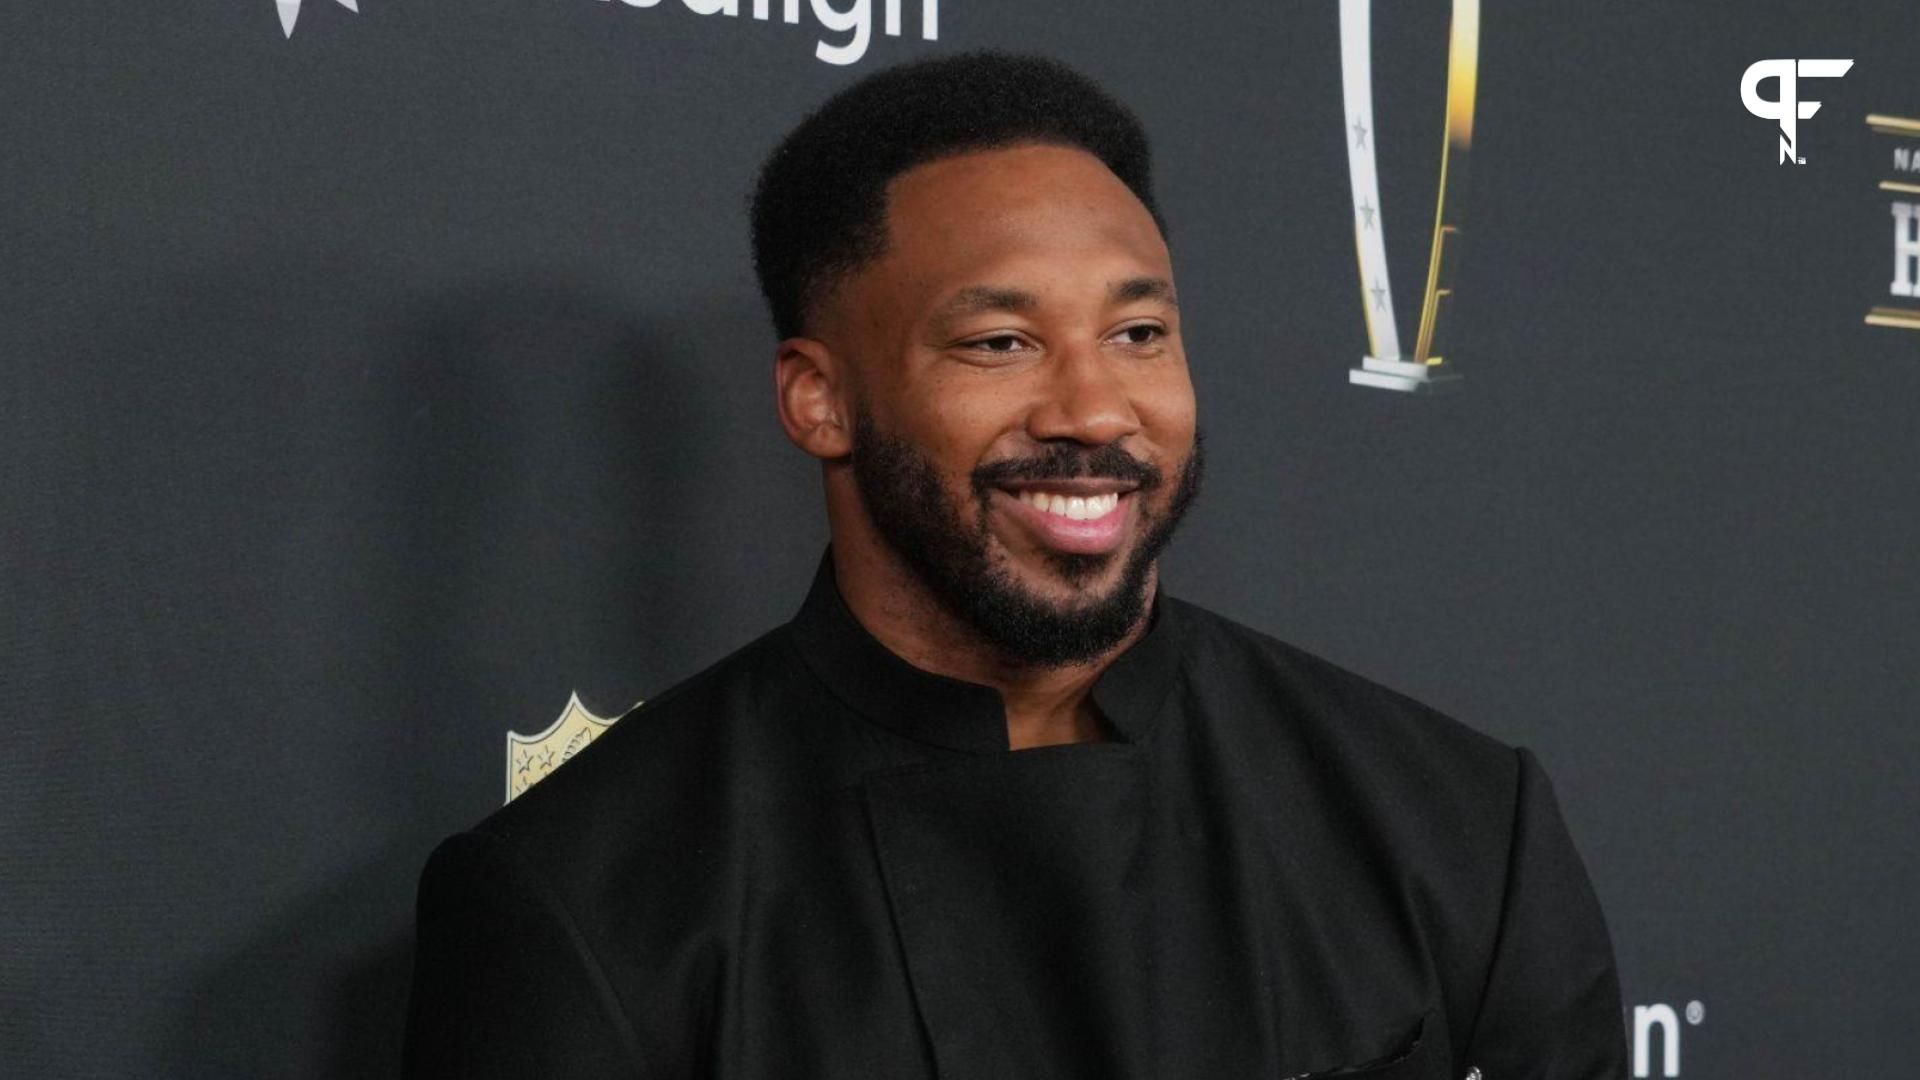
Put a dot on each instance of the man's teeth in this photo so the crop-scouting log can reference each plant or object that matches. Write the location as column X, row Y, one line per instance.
column 1072, row 506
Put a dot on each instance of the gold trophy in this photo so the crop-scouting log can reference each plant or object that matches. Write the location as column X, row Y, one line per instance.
column 1386, row 365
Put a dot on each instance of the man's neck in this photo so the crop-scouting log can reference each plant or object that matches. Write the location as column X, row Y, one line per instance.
column 1045, row 706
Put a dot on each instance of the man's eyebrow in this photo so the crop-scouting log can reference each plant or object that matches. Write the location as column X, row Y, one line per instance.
column 1143, row 288
column 978, row 298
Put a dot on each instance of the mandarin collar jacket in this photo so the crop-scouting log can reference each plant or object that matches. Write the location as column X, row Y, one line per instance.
column 815, row 860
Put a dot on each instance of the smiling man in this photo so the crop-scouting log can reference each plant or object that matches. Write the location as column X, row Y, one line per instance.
column 994, row 804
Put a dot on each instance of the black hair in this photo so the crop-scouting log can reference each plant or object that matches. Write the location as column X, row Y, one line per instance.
column 820, row 207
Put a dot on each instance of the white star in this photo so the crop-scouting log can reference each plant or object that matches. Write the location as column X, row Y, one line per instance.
column 290, row 12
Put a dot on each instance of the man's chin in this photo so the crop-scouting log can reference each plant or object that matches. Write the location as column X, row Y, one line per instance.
column 1070, row 581
column 1037, row 605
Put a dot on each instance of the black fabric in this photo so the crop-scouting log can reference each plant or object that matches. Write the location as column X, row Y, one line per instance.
column 814, row 859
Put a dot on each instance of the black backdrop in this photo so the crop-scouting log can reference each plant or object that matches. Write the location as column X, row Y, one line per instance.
column 368, row 391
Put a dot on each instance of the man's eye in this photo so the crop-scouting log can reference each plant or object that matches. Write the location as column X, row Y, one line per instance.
column 1000, row 343
column 1143, row 334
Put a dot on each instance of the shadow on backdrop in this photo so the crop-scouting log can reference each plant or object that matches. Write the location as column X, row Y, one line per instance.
column 436, row 517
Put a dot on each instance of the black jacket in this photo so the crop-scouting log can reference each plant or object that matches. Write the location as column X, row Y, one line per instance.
column 814, row 860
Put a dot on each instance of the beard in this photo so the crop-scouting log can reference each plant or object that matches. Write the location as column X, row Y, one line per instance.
column 949, row 547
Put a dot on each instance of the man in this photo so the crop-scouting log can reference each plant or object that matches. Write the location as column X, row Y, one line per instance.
column 993, row 804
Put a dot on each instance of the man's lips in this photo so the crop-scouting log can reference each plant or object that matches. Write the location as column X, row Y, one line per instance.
column 1081, row 516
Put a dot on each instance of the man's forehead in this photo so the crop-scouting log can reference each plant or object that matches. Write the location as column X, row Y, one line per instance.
column 998, row 229
column 976, row 187
column 974, row 229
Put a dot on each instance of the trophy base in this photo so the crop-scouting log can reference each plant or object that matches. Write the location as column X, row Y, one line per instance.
column 1401, row 375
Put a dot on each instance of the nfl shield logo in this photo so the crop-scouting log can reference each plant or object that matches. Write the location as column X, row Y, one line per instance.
column 532, row 758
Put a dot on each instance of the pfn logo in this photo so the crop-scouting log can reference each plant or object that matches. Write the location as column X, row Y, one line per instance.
column 1788, row 109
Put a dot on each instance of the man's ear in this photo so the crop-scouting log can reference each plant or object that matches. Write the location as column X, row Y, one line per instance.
column 811, row 390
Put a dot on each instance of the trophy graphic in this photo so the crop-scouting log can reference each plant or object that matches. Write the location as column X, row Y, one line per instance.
column 1386, row 365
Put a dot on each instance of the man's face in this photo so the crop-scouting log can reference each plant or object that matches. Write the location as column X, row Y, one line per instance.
column 1024, row 433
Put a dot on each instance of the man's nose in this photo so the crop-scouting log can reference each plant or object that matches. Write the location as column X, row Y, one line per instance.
column 1083, row 398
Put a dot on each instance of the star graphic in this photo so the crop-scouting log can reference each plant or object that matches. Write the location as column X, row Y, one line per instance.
column 290, row 12
column 1359, row 134
column 1379, row 292
column 1366, row 213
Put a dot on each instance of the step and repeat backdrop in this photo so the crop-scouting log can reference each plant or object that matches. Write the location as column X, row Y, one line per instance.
column 384, row 406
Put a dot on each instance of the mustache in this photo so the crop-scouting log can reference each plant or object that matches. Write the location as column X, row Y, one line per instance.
column 1062, row 461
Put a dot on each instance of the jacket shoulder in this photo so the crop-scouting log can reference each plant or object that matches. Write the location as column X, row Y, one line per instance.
column 1354, row 729
column 663, row 776
column 1325, row 692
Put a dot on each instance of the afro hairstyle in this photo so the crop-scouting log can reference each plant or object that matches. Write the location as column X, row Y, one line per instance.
column 820, row 207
